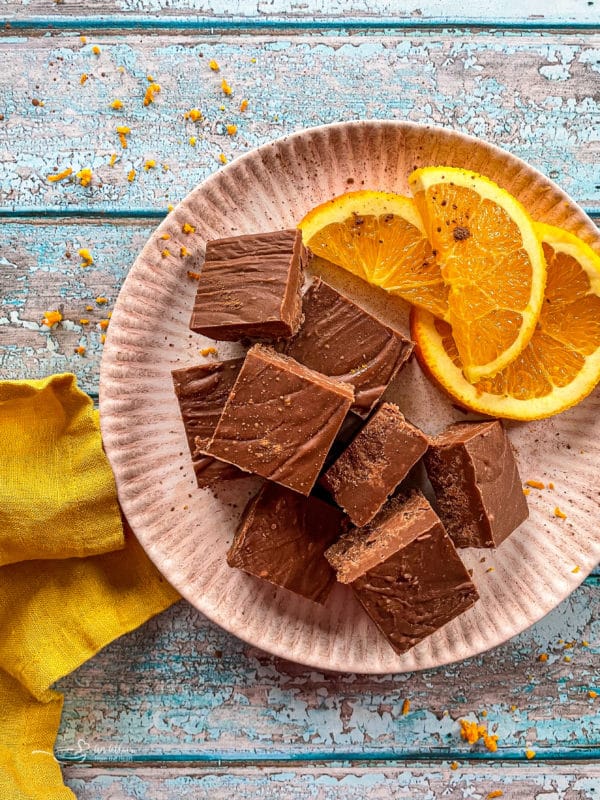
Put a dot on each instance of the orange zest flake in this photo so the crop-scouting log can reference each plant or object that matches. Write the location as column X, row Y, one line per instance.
column 109, row 314
column 165, row 253
column 213, row 65
column 170, row 208
column 80, row 350
column 454, row 765
column 113, row 160
column 104, row 324
column 490, row 569
column 543, row 657
column 513, row 708
column 165, row 167
column 151, row 93
column 183, row 251
column 89, row 308
column 149, row 78
column 226, row 87
column 86, row 256
column 535, row 484
column 117, row 104
column 526, row 492
column 84, row 77
column 405, row 707
column 529, row 754
column 83, row 39
column 102, row 338
column 472, row 732
column 96, row 50
column 131, row 175
column 592, row 694
column 495, row 793
column 187, row 228
column 567, row 659
column 192, row 140
column 101, row 301
column 149, row 164
column 244, row 105
column 560, row 514
column 194, row 114
column 194, row 276
column 576, row 568
column 165, row 236
column 232, row 130
column 84, row 321
column 208, row 351
column 59, row 176
column 123, row 131
column 84, row 176
column 551, row 485
column 52, row 318
column 222, row 158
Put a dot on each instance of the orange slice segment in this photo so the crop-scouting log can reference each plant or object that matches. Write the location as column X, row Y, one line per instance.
column 491, row 260
column 561, row 364
column 379, row 237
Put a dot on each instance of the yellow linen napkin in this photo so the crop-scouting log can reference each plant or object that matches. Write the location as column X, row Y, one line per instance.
column 57, row 490
column 55, row 612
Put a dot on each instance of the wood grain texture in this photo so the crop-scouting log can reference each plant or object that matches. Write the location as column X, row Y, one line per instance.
column 318, row 10
column 527, row 782
column 182, row 689
column 534, row 95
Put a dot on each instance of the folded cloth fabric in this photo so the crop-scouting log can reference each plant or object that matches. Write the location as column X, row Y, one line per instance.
column 57, row 490
column 55, row 612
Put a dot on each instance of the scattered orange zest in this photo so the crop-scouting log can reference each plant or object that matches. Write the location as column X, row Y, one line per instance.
column 226, row 87
column 560, row 514
column 101, row 301
column 151, row 93
column 543, row 657
column 232, row 130
column 535, row 484
column 165, row 253
column 149, row 164
column 222, row 158
column 213, row 65
column 83, row 79
column 208, row 351
column 84, row 321
column 80, row 350
column 84, row 176
column 472, row 732
column 187, row 228
column 405, row 707
column 194, row 114
column 60, row 176
column 52, row 318
column 243, row 105
column 86, row 256
column 113, row 160
column 104, row 324
column 117, row 104
column 194, row 276
column 131, row 175
column 96, row 50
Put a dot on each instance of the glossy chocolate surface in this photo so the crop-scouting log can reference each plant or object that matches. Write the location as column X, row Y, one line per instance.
column 340, row 339
column 375, row 462
column 280, row 419
column 474, row 475
column 250, row 286
column 405, row 571
column 282, row 538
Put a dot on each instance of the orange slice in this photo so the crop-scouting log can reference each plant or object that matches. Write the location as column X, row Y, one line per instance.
column 561, row 364
column 491, row 260
column 379, row 237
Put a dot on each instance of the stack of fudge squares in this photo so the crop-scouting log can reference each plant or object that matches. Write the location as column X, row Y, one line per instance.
column 303, row 410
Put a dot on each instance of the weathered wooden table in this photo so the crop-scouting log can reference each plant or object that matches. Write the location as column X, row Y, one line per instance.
column 181, row 709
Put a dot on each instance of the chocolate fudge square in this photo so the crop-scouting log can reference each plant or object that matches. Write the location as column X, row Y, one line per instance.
column 476, row 481
column 405, row 571
column 373, row 465
column 280, row 419
column 250, row 286
column 340, row 339
column 202, row 391
column 282, row 538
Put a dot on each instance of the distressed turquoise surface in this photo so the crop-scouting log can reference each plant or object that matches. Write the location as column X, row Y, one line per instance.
column 534, row 94
column 152, row 716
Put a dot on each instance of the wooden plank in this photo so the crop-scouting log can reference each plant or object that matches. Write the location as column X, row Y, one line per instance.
column 182, row 689
column 311, row 10
column 523, row 782
column 535, row 95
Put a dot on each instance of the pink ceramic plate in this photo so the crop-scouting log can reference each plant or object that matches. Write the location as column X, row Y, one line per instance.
column 186, row 531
